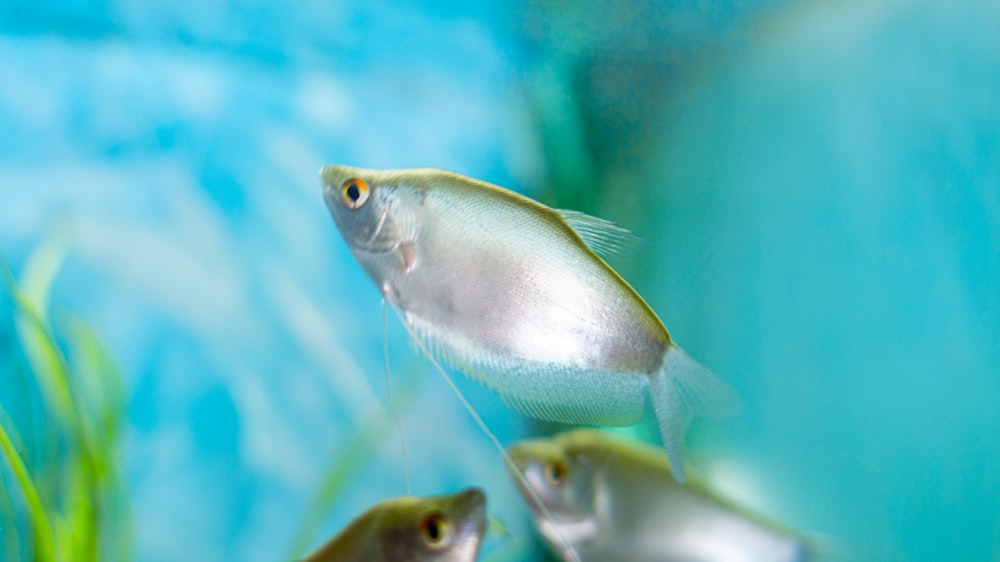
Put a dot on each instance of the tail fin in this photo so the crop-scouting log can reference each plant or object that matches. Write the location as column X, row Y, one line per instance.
column 681, row 390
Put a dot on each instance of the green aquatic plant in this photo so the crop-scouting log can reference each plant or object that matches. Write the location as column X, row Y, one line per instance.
column 67, row 499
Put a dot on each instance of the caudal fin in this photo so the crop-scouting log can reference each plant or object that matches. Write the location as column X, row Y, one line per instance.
column 680, row 391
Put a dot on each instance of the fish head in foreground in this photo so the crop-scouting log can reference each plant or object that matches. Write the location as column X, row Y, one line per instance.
column 563, row 479
column 377, row 213
column 447, row 528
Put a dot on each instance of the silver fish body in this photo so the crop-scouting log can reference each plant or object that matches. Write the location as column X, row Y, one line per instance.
column 508, row 291
column 445, row 528
column 615, row 500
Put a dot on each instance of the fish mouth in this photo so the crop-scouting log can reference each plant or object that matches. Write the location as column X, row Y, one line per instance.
column 471, row 505
column 525, row 472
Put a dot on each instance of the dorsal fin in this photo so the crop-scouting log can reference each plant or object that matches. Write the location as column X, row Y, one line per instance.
column 604, row 237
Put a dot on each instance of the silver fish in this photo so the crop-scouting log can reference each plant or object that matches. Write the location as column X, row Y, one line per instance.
column 445, row 528
column 512, row 293
column 615, row 500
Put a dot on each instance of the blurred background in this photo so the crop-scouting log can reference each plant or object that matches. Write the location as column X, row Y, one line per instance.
column 192, row 369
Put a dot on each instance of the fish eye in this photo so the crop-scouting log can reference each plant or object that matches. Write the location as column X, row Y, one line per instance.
column 434, row 529
column 556, row 472
column 355, row 192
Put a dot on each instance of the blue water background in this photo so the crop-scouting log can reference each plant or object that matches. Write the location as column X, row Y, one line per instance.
column 816, row 183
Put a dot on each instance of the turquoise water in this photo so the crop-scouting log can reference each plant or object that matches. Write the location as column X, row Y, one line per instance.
column 816, row 185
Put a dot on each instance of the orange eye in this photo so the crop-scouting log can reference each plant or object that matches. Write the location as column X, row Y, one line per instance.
column 434, row 529
column 355, row 192
column 556, row 473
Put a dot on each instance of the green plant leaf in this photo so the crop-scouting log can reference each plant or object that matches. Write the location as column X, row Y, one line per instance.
column 44, row 537
column 84, row 401
column 40, row 346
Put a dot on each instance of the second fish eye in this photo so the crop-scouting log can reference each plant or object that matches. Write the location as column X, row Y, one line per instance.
column 355, row 192
column 434, row 529
column 556, row 472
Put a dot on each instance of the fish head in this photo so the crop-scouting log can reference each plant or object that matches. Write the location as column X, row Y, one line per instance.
column 563, row 481
column 375, row 210
column 447, row 528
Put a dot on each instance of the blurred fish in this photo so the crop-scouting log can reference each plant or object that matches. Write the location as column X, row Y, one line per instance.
column 615, row 500
column 445, row 528
column 512, row 293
